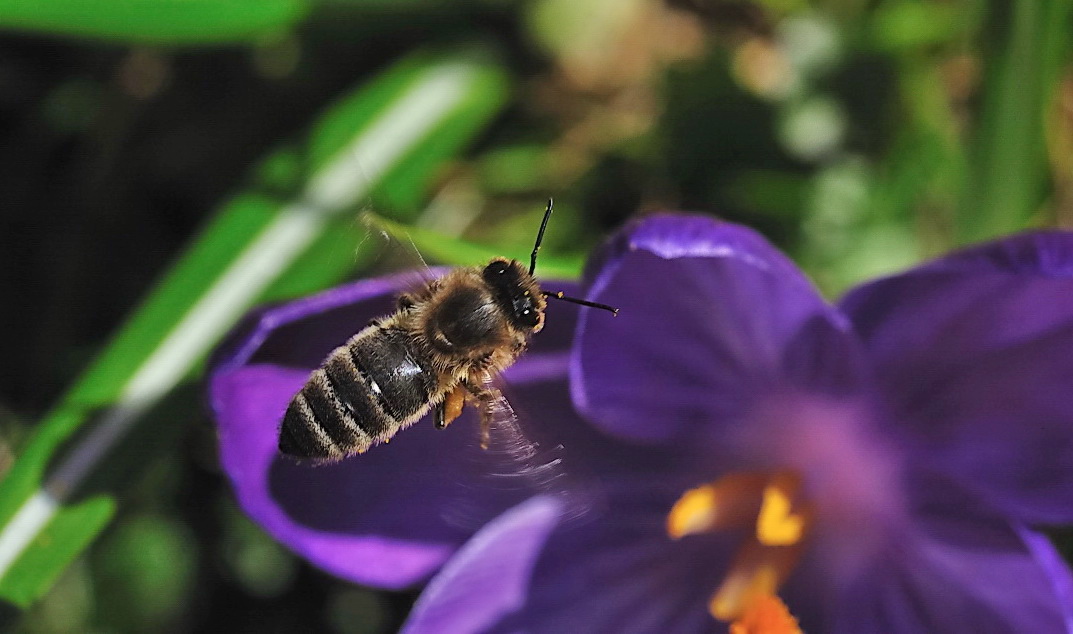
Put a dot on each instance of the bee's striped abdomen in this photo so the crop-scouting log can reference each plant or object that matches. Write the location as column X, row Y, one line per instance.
column 364, row 393
column 402, row 384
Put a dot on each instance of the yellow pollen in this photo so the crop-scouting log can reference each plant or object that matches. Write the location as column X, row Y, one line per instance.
column 732, row 501
column 694, row 512
column 777, row 525
column 766, row 615
column 770, row 504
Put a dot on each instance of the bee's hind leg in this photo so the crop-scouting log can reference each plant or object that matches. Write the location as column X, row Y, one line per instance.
column 451, row 407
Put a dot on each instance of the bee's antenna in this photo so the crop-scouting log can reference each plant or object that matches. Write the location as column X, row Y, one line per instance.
column 540, row 238
column 583, row 302
column 559, row 294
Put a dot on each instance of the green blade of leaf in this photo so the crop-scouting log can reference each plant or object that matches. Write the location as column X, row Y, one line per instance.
column 155, row 21
column 1007, row 182
column 56, row 545
column 260, row 244
column 457, row 252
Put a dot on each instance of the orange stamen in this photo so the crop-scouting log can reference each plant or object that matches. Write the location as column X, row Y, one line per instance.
column 757, row 570
column 766, row 615
column 742, row 590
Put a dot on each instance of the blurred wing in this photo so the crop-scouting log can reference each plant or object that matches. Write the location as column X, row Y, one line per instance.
column 397, row 250
column 516, row 464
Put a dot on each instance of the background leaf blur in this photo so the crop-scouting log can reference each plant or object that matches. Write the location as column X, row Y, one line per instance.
column 155, row 21
column 859, row 136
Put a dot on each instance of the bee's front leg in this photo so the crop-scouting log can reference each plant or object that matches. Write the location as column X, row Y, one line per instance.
column 487, row 397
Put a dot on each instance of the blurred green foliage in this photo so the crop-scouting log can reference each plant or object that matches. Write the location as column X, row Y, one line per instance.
column 859, row 136
column 192, row 22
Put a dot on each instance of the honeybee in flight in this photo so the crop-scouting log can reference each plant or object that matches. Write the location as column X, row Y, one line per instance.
column 442, row 348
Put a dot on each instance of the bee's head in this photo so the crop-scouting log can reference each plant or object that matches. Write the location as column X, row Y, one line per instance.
column 517, row 293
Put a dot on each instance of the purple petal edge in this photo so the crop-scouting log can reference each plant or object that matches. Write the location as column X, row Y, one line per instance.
column 1056, row 569
column 711, row 315
column 672, row 235
column 1047, row 253
column 247, row 337
column 248, row 453
column 489, row 577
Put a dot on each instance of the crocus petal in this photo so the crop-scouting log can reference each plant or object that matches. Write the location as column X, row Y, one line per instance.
column 594, row 576
column 949, row 589
column 295, row 503
column 1056, row 569
column 958, row 567
column 489, row 576
column 628, row 578
column 709, row 312
column 975, row 354
column 389, row 517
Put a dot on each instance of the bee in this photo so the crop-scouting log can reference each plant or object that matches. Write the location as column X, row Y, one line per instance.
column 441, row 349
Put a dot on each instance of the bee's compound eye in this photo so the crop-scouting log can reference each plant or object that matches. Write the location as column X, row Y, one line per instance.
column 524, row 313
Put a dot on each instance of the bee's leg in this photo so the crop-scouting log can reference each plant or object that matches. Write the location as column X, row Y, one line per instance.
column 451, row 407
column 405, row 301
column 486, row 399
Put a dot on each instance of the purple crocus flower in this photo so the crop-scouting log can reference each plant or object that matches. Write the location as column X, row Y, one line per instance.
column 881, row 465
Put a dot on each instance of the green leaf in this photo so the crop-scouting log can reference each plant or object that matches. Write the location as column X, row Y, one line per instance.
column 912, row 25
column 773, row 193
column 1009, row 172
column 55, row 547
column 514, row 169
column 456, row 252
column 406, row 188
column 155, row 21
column 265, row 242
